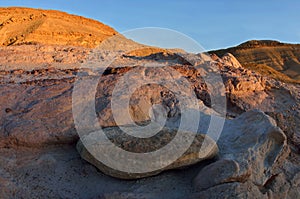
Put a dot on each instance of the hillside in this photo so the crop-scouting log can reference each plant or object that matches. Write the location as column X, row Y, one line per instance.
column 30, row 26
column 265, row 55
column 49, row 27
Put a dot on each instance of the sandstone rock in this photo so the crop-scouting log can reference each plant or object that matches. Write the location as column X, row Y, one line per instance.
column 247, row 90
column 250, row 150
column 36, row 82
column 278, row 186
column 88, row 147
column 219, row 172
column 38, row 110
column 294, row 191
column 230, row 190
column 229, row 60
column 38, row 114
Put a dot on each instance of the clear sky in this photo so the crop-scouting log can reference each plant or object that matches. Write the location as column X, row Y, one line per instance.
column 214, row 24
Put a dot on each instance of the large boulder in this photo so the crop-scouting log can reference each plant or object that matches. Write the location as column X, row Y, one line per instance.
column 252, row 148
column 92, row 144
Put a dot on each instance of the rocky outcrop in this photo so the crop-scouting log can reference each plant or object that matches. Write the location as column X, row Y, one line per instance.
column 258, row 157
column 252, row 147
column 36, row 111
column 37, row 57
column 247, row 90
column 37, row 105
column 229, row 60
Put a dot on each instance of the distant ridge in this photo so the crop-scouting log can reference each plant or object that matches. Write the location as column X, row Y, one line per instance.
column 271, row 58
column 260, row 43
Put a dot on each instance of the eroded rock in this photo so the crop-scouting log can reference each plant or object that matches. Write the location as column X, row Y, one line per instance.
column 90, row 145
column 251, row 148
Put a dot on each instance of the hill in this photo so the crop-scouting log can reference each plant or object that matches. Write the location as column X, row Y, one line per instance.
column 272, row 58
column 31, row 26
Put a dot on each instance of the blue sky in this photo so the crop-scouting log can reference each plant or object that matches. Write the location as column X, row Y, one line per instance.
column 213, row 24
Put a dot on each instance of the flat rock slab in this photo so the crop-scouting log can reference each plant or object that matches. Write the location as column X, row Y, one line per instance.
column 92, row 146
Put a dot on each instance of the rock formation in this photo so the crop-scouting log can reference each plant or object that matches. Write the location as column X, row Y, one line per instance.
column 250, row 147
column 258, row 149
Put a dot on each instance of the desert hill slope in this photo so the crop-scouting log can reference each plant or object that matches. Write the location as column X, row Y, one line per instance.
column 267, row 57
column 49, row 27
column 25, row 25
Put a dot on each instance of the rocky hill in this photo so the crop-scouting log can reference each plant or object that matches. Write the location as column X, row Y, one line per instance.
column 268, row 57
column 41, row 156
column 31, row 26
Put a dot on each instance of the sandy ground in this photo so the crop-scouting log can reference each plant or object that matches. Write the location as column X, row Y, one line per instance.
column 59, row 172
